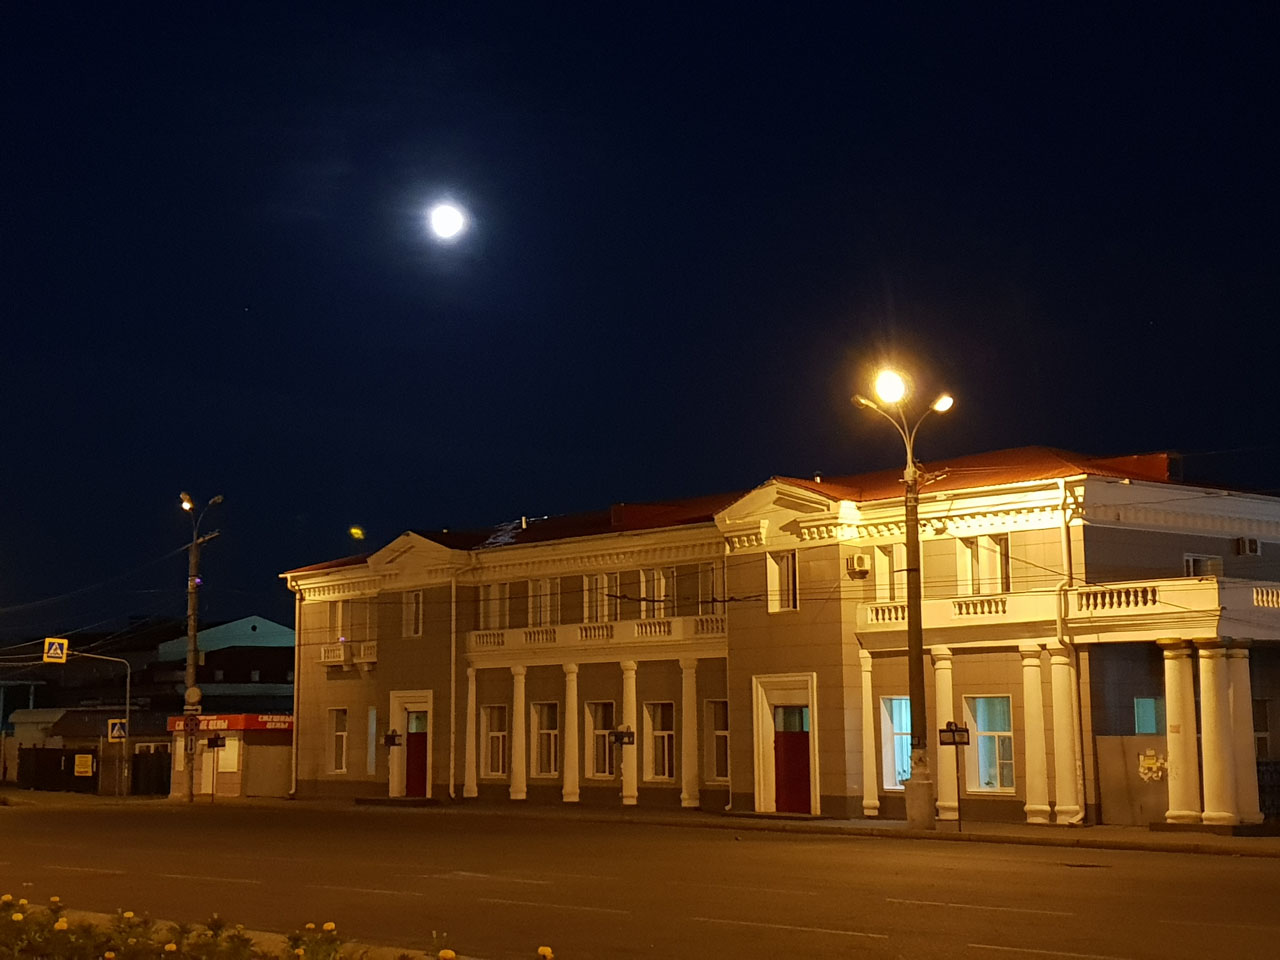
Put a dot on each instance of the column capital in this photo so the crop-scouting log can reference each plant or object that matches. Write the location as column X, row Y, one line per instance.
column 1058, row 652
column 628, row 666
column 1212, row 648
column 1238, row 652
column 941, row 655
column 1030, row 651
column 1175, row 649
column 688, row 663
column 471, row 672
column 570, row 669
column 865, row 657
column 519, row 670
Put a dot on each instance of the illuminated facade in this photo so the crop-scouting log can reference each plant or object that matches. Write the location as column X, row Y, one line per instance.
column 1110, row 638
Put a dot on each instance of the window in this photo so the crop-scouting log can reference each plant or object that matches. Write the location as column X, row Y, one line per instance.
column 603, row 598
column 1261, row 730
column 546, row 728
column 890, row 563
column 660, row 727
column 717, row 740
column 781, row 582
column 895, row 740
column 544, row 603
column 338, row 620
column 255, row 676
column 1201, row 565
column 413, row 613
column 1148, row 715
column 493, row 737
column 371, row 743
column 338, row 733
column 657, row 589
column 990, row 757
column 493, row 606
column 600, row 724
column 985, row 565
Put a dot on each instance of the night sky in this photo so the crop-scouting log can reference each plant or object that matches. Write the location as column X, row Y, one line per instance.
column 693, row 236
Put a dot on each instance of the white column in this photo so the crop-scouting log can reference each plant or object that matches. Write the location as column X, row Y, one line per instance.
column 1217, row 744
column 689, row 732
column 469, row 744
column 1066, row 807
column 572, row 757
column 870, row 782
column 945, row 775
column 629, row 723
column 519, row 749
column 1183, row 754
column 1035, row 752
column 1241, row 695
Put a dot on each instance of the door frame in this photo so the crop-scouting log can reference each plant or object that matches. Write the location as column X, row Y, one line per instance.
column 782, row 690
column 402, row 702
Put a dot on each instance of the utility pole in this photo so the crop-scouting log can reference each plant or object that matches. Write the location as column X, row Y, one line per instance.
column 191, row 700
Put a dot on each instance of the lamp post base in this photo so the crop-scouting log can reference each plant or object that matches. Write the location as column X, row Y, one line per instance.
column 920, row 809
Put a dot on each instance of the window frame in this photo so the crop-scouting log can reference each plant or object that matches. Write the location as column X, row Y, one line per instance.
column 713, row 735
column 413, row 613
column 599, row 737
column 973, row 753
column 546, row 739
column 338, row 743
column 1191, row 560
column 890, row 740
column 782, row 581
column 490, row 736
column 653, row 736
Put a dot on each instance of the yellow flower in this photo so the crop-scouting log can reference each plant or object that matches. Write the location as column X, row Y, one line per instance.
column 7, row 898
column 128, row 914
column 299, row 952
column 446, row 954
column 330, row 927
column 545, row 953
column 311, row 926
column 55, row 899
column 22, row 902
column 170, row 947
column 60, row 925
column 109, row 955
column 16, row 918
column 131, row 941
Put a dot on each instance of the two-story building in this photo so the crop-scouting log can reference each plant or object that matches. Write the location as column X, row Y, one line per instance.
column 1108, row 636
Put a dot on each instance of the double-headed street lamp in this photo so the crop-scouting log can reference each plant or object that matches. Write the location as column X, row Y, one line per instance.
column 891, row 392
column 191, row 701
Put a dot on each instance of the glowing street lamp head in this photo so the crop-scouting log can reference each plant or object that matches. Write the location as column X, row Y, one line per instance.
column 187, row 503
column 944, row 403
column 447, row 221
column 890, row 387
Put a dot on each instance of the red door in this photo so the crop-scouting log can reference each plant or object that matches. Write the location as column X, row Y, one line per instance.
column 791, row 760
column 415, row 755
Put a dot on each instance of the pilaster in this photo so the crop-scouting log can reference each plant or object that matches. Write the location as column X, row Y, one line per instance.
column 572, row 755
column 469, row 738
column 1066, row 785
column 870, row 781
column 689, row 732
column 629, row 750
column 1218, row 744
column 948, row 781
column 1183, row 753
column 1241, row 696
column 519, row 746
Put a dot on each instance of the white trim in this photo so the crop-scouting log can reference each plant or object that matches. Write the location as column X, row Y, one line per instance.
column 782, row 690
column 401, row 703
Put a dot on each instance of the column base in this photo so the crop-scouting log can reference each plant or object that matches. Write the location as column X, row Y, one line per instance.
column 871, row 809
column 1037, row 813
column 692, row 804
column 570, row 799
column 469, row 792
column 1252, row 818
column 1063, row 813
column 628, row 801
column 1182, row 816
column 919, row 797
column 517, row 796
column 1219, row 818
column 948, row 810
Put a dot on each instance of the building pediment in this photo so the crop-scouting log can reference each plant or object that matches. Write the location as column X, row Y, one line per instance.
column 780, row 514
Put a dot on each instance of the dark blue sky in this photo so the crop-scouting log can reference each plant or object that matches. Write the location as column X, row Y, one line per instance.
column 693, row 233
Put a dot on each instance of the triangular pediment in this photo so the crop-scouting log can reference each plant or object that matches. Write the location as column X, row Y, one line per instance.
column 411, row 557
column 778, row 513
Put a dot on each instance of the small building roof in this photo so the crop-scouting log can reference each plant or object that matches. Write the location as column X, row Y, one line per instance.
column 245, row 632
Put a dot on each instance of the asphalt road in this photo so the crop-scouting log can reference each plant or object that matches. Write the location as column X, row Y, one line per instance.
column 502, row 886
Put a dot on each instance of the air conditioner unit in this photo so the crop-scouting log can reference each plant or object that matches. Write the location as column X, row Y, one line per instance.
column 858, row 566
column 1248, row 547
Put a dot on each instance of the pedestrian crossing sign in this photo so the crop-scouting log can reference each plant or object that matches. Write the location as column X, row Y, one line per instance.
column 55, row 650
column 117, row 731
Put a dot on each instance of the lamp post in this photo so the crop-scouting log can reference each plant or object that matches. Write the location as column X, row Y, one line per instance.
column 891, row 391
column 191, row 700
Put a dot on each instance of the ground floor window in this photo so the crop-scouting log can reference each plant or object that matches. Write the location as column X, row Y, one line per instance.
column 600, row 723
column 338, row 741
column 1148, row 715
column 1261, row 730
column 546, row 727
column 716, row 740
column 990, row 757
column 895, row 740
column 493, row 736
column 660, row 758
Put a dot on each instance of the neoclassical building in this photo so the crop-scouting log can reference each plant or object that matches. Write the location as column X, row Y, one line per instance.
column 1109, row 637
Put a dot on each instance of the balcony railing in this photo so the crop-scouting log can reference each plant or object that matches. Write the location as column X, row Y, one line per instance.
column 365, row 652
column 335, row 654
column 671, row 629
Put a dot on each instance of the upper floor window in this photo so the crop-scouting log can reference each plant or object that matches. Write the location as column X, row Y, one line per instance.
column 413, row 613
column 493, row 605
column 544, row 603
column 890, row 563
column 604, row 595
column 781, row 581
column 984, row 564
column 1201, row 565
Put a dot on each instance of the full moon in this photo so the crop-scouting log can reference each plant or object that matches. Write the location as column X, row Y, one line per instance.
column 447, row 221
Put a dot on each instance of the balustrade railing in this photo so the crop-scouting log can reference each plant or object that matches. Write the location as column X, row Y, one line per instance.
column 1117, row 598
column 980, row 607
column 887, row 613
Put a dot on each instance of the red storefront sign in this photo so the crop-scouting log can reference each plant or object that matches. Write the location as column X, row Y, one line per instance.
column 237, row 721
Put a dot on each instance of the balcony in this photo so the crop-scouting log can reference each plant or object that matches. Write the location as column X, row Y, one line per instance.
column 365, row 652
column 345, row 654
column 1140, row 610
column 577, row 635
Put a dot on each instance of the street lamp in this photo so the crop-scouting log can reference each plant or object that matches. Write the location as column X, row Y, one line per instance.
column 191, row 700
column 891, row 390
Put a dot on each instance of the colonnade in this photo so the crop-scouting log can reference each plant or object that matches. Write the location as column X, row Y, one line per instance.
column 1220, row 751
column 571, row 741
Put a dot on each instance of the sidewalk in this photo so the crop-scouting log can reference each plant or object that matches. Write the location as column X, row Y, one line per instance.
column 1104, row 837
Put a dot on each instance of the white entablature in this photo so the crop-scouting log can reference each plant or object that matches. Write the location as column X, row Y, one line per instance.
column 604, row 553
column 1180, row 509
